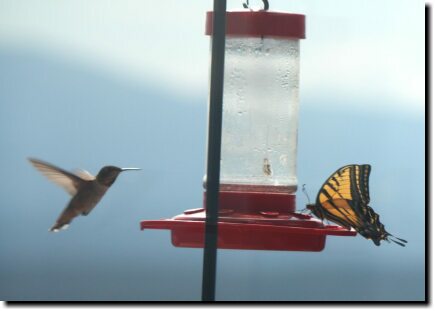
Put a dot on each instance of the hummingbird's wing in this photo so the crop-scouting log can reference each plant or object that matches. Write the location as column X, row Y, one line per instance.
column 70, row 182
column 84, row 174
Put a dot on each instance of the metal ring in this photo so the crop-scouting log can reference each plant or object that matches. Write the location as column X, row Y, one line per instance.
column 265, row 2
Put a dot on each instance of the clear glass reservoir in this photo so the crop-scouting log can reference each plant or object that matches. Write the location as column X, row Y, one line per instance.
column 260, row 105
column 260, row 115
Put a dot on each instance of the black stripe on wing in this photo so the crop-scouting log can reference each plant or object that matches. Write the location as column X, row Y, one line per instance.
column 363, row 183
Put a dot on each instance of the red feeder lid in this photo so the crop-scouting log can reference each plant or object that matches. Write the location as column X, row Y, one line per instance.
column 261, row 23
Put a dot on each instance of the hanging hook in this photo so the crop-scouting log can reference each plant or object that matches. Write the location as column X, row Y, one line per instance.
column 265, row 2
column 266, row 5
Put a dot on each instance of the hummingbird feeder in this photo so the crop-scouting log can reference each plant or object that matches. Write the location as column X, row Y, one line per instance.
column 258, row 180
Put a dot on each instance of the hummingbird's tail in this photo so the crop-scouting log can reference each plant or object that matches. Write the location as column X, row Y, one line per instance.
column 57, row 227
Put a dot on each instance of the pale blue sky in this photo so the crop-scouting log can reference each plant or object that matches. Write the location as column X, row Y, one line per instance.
column 85, row 84
column 352, row 46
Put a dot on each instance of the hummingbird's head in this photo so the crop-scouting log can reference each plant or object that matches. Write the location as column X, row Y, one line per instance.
column 108, row 174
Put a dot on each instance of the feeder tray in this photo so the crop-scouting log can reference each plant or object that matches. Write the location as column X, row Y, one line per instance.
column 251, row 226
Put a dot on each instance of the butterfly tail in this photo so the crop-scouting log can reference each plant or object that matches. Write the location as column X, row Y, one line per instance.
column 397, row 240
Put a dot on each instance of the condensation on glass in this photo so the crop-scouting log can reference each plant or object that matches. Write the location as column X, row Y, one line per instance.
column 260, row 113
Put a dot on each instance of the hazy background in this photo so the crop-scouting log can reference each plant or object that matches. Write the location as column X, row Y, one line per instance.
column 90, row 83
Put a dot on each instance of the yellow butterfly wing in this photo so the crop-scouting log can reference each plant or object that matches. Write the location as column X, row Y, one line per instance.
column 340, row 211
column 344, row 199
column 348, row 183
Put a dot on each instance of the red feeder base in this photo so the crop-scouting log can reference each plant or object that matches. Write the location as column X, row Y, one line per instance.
column 255, row 226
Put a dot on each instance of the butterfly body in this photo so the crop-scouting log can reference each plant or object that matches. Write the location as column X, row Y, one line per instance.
column 344, row 199
column 86, row 190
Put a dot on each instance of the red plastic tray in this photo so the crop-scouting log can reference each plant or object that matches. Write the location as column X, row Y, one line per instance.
column 268, row 230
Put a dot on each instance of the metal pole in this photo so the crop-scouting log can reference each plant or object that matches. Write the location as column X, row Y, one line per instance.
column 214, row 150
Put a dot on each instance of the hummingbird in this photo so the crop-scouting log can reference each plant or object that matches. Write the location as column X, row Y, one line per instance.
column 86, row 190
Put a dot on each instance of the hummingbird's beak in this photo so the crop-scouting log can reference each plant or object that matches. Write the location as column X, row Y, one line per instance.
column 130, row 169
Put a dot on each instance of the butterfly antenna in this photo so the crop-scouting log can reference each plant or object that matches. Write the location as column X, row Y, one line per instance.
column 306, row 193
column 308, row 198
